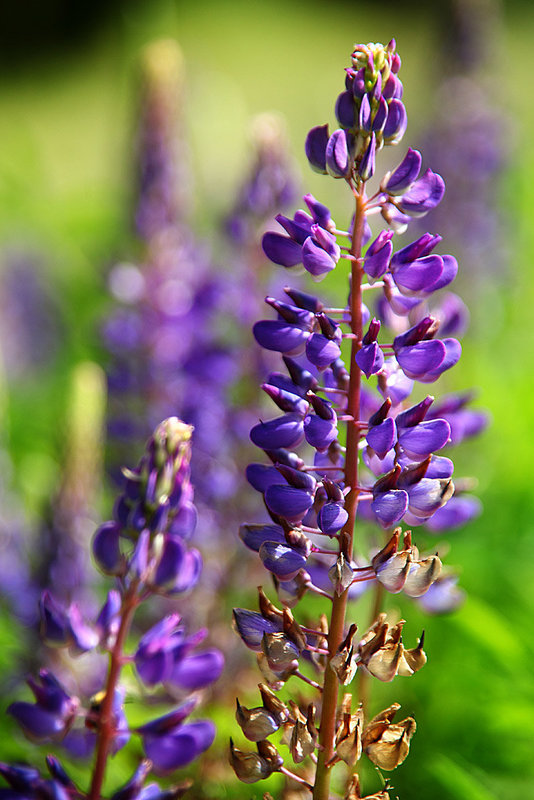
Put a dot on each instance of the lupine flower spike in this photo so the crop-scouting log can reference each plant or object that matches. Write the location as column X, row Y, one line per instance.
column 346, row 443
column 146, row 549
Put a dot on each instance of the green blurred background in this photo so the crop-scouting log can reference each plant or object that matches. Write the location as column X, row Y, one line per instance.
column 67, row 113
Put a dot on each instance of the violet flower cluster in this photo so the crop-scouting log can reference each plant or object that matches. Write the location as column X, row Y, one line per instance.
column 176, row 338
column 146, row 549
column 349, row 444
column 176, row 335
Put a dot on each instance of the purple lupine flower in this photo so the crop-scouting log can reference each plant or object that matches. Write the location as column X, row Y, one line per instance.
column 170, row 744
column 52, row 713
column 146, row 549
column 324, row 490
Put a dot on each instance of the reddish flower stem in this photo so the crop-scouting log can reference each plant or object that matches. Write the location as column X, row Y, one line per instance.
column 106, row 728
column 327, row 729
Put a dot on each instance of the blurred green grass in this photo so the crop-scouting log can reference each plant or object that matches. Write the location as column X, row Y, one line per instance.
column 65, row 156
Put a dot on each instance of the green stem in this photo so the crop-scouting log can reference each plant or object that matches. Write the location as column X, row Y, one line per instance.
column 327, row 729
column 106, row 729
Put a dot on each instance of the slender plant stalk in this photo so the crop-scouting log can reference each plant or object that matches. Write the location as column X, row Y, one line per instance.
column 321, row 788
column 116, row 660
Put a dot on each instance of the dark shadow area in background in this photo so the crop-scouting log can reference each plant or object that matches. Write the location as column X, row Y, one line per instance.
column 34, row 30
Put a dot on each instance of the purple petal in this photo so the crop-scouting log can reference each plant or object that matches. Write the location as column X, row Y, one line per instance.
column 170, row 563
column 298, row 229
column 172, row 751
column 421, row 358
column 255, row 535
column 260, row 476
column 365, row 115
column 197, row 671
column 251, row 626
column 381, row 116
column 370, row 359
column 420, row 275
column 288, row 502
column 396, row 220
column 329, row 243
column 189, row 572
column 378, row 255
column 390, row 507
column 331, row 518
column 417, row 249
column 282, row 560
column 139, row 559
column 319, row 432
column 453, row 351
column 450, row 270
column 414, row 334
column 346, row 110
column 281, row 249
column 280, row 336
column 382, row 437
column 315, row 148
column 54, row 627
column 316, row 260
column 358, row 84
column 322, row 351
column 426, row 496
column 366, row 168
column 320, row 213
column 284, row 431
column 425, row 194
column 183, row 524
column 396, row 122
column 338, row 162
column 465, row 423
column 378, row 466
column 154, row 668
column 170, row 722
column 406, row 173
column 286, row 400
column 400, row 304
column 415, row 414
column 392, row 88
column 106, row 549
column 84, row 636
column 79, row 743
column 440, row 467
column 427, row 437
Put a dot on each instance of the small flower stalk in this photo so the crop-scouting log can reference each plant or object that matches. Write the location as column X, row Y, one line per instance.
column 348, row 446
column 146, row 549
